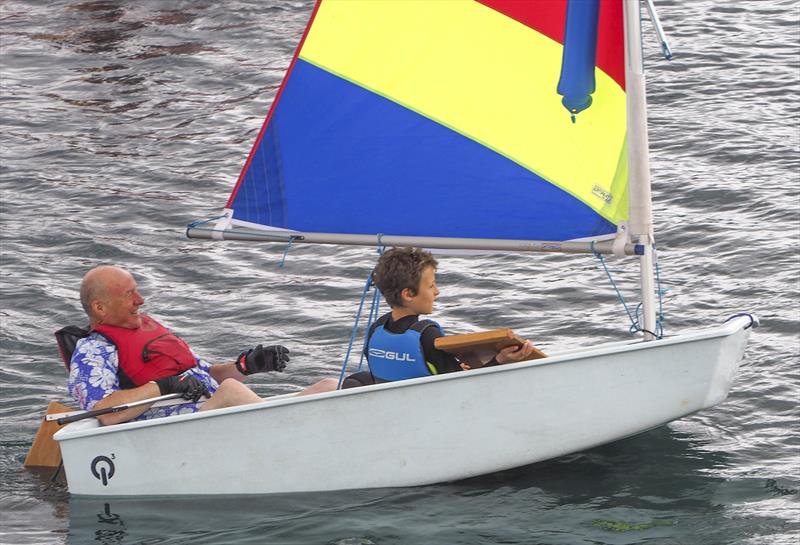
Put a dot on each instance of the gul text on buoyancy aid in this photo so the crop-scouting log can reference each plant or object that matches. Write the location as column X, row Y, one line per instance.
column 397, row 356
column 148, row 352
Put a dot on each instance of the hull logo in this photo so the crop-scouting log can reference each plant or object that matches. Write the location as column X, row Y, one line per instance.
column 102, row 469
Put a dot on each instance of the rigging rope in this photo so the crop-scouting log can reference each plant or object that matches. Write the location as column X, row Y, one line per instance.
column 354, row 330
column 288, row 238
column 634, row 318
column 196, row 223
column 373, row 312
column 661, row 292
column 286, row 251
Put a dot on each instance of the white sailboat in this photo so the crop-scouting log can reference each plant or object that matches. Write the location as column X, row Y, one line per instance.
column 389, row 98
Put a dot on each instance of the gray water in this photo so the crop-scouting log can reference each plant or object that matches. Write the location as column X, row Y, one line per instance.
column 123, row 120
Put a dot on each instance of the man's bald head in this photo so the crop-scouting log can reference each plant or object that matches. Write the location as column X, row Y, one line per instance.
column 95, row 285
column 108, row 295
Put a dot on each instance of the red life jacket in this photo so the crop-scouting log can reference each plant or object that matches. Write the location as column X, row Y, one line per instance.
column 147, row 353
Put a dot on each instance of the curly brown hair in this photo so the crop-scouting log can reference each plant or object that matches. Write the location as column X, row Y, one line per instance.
column 398, row 269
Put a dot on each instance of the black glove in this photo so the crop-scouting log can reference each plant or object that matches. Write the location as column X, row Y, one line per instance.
column 261, row 360
column 189, row 387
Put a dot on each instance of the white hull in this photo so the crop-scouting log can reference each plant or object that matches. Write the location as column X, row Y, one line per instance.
column 413, row 432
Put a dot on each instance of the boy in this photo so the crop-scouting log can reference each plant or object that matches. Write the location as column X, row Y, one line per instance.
column 400, row 345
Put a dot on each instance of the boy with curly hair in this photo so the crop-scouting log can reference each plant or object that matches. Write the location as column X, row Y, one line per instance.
column 401, row 346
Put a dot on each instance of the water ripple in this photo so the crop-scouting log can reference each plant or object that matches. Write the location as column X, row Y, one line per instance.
column 123, row 121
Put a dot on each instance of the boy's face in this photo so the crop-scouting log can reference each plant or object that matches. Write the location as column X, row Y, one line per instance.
column 427, row 292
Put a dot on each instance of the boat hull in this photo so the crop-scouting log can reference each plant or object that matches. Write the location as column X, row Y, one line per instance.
column 413, row 432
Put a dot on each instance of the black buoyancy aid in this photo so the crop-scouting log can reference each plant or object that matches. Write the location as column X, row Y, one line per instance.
column 67, row 338
column 398, row 356
column 148, row 352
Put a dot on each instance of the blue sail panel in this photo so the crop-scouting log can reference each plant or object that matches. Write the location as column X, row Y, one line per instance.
column 337, row 158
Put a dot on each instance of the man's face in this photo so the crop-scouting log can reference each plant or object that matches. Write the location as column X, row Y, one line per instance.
column 120, row 306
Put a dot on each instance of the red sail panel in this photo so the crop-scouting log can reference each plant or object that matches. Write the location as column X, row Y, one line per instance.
column 548, row 17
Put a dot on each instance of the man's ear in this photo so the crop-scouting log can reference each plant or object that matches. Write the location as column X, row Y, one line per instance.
column 98, row 307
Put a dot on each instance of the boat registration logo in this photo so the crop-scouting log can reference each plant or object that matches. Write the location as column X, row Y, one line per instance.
column 103, row 468
column 601, row 193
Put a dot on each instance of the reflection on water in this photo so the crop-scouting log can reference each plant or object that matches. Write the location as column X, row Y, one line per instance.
column 659, row 485
column 124, row 120
column 99, row 27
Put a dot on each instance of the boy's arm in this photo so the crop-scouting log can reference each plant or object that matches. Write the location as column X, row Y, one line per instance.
column 443, row 361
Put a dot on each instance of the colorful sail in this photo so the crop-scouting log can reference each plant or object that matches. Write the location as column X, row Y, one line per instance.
column 447, row 119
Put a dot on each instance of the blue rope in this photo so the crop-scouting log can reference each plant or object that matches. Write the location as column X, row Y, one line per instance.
column 195, row 223
column 355, row 329
column 374, row 309
column 634, row 322
column 660, row 292
column 634, row 318
column 289, row 238
column 286, row 251
column 373, row 312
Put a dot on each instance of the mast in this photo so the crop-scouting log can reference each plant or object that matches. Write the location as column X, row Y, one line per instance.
column 641, row 214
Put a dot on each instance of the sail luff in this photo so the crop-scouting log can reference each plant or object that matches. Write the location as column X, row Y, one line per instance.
column 641, row 218
column 271, row 110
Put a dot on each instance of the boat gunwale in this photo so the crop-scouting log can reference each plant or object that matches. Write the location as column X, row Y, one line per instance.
column 730, row 327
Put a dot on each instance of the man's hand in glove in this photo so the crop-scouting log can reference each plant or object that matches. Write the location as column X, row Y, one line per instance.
column 188, row 386
column 261, row 359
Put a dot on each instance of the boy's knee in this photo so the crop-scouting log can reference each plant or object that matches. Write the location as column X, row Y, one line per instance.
column 363, row 378
column 236, row 391
column 329, row 384
column 230, row 385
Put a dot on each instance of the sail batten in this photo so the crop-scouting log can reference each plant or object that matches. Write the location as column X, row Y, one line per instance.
column 443, row 119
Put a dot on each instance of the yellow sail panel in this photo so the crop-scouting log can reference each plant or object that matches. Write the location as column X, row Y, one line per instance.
column 487, row 77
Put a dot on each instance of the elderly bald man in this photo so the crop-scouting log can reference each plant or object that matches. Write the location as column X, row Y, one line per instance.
column 129, row 356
